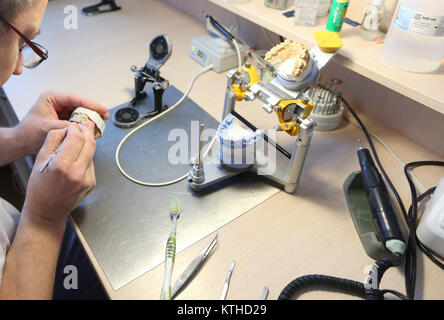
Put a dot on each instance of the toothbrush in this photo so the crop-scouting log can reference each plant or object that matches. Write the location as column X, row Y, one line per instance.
column 170, row 252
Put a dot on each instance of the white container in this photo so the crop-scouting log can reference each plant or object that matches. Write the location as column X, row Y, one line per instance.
column 430, row 230
column 327, row 122
column 373, row 13
column 279, row 4
column 305, row 12
column 415, row 39
column 237, row 144
column 324, row 8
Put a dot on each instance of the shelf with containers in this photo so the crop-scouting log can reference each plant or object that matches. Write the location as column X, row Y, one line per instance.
column 361, row 56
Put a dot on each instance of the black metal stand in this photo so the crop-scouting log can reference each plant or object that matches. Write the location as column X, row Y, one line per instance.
column 158, row 89
column 159, row 86
column 95, row 9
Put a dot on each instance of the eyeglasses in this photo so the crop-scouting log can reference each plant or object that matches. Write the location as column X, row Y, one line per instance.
column 33, row 53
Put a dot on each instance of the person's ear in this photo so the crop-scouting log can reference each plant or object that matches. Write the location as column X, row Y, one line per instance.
column 19, row 67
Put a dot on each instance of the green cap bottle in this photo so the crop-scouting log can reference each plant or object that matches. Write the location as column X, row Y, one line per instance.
column 337, row 15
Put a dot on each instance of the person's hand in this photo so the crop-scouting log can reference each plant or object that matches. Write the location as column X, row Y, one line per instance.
column 51, row 111
column 69, row 177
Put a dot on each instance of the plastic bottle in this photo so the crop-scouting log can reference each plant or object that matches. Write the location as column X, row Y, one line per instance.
column 305, row 12
column 415, row 39
column 379, row 4
column 373, row 13
column 337, row 15
column 324, row 6
column 279, row 4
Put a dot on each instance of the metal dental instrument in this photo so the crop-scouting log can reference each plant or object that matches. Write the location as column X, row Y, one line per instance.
column 201, row 132
column 227, row 282
column 193, row 267
column 264, row 294
column 197, row 174
column 328, row 92
column 335, row 83
column 338, row 96
column 47, row 161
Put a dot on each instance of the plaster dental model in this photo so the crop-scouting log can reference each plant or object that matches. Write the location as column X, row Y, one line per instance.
column 291, row 60
column 83, row 116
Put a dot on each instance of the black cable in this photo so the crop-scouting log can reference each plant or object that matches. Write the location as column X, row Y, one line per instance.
column 369, row 292
column 412, row 218
column 221, row 29
column 410, row 253
column 266, row 138
column 357, row 288
column 349, row 286
column 375, row 155
column 396, row 293
column 419, row 243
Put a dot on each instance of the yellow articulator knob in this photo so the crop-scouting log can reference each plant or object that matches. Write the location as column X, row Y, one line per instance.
column 289, row 111
column 250, row 75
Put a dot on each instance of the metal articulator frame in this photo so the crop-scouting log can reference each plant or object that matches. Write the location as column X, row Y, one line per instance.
column 210, row 173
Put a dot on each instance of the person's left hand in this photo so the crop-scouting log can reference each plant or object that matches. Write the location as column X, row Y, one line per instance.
column 51, row 112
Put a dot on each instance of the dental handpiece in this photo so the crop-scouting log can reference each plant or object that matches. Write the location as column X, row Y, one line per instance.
column 380, row 204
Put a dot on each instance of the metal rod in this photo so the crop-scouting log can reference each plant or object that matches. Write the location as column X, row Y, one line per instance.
column 202, row 128
column 264, row 294
column 335, row 83
column 266, row 138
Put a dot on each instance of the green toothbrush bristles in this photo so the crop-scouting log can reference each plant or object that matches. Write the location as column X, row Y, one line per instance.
column 171, row 247
column 174, row 207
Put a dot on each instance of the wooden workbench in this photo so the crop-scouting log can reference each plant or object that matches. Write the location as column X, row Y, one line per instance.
column 287, row 236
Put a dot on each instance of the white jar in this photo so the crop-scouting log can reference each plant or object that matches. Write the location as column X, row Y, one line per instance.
column 237, row 145
column 324, row 8
column 415, row 39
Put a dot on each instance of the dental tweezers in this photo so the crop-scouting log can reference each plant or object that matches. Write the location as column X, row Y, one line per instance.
column 193, row 267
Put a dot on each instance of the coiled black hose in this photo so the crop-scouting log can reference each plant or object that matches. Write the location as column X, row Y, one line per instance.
column 352, row 287
column 355, row 288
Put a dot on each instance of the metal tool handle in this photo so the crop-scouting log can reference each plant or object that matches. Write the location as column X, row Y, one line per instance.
column 192, row 267
column 201, row 141
column 47, row 161
column 223, row 295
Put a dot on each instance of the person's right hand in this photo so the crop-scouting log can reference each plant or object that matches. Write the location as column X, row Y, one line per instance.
column 69, row 177
column 51, row 111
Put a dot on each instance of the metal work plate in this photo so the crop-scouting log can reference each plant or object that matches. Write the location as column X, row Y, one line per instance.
column 126, row 225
